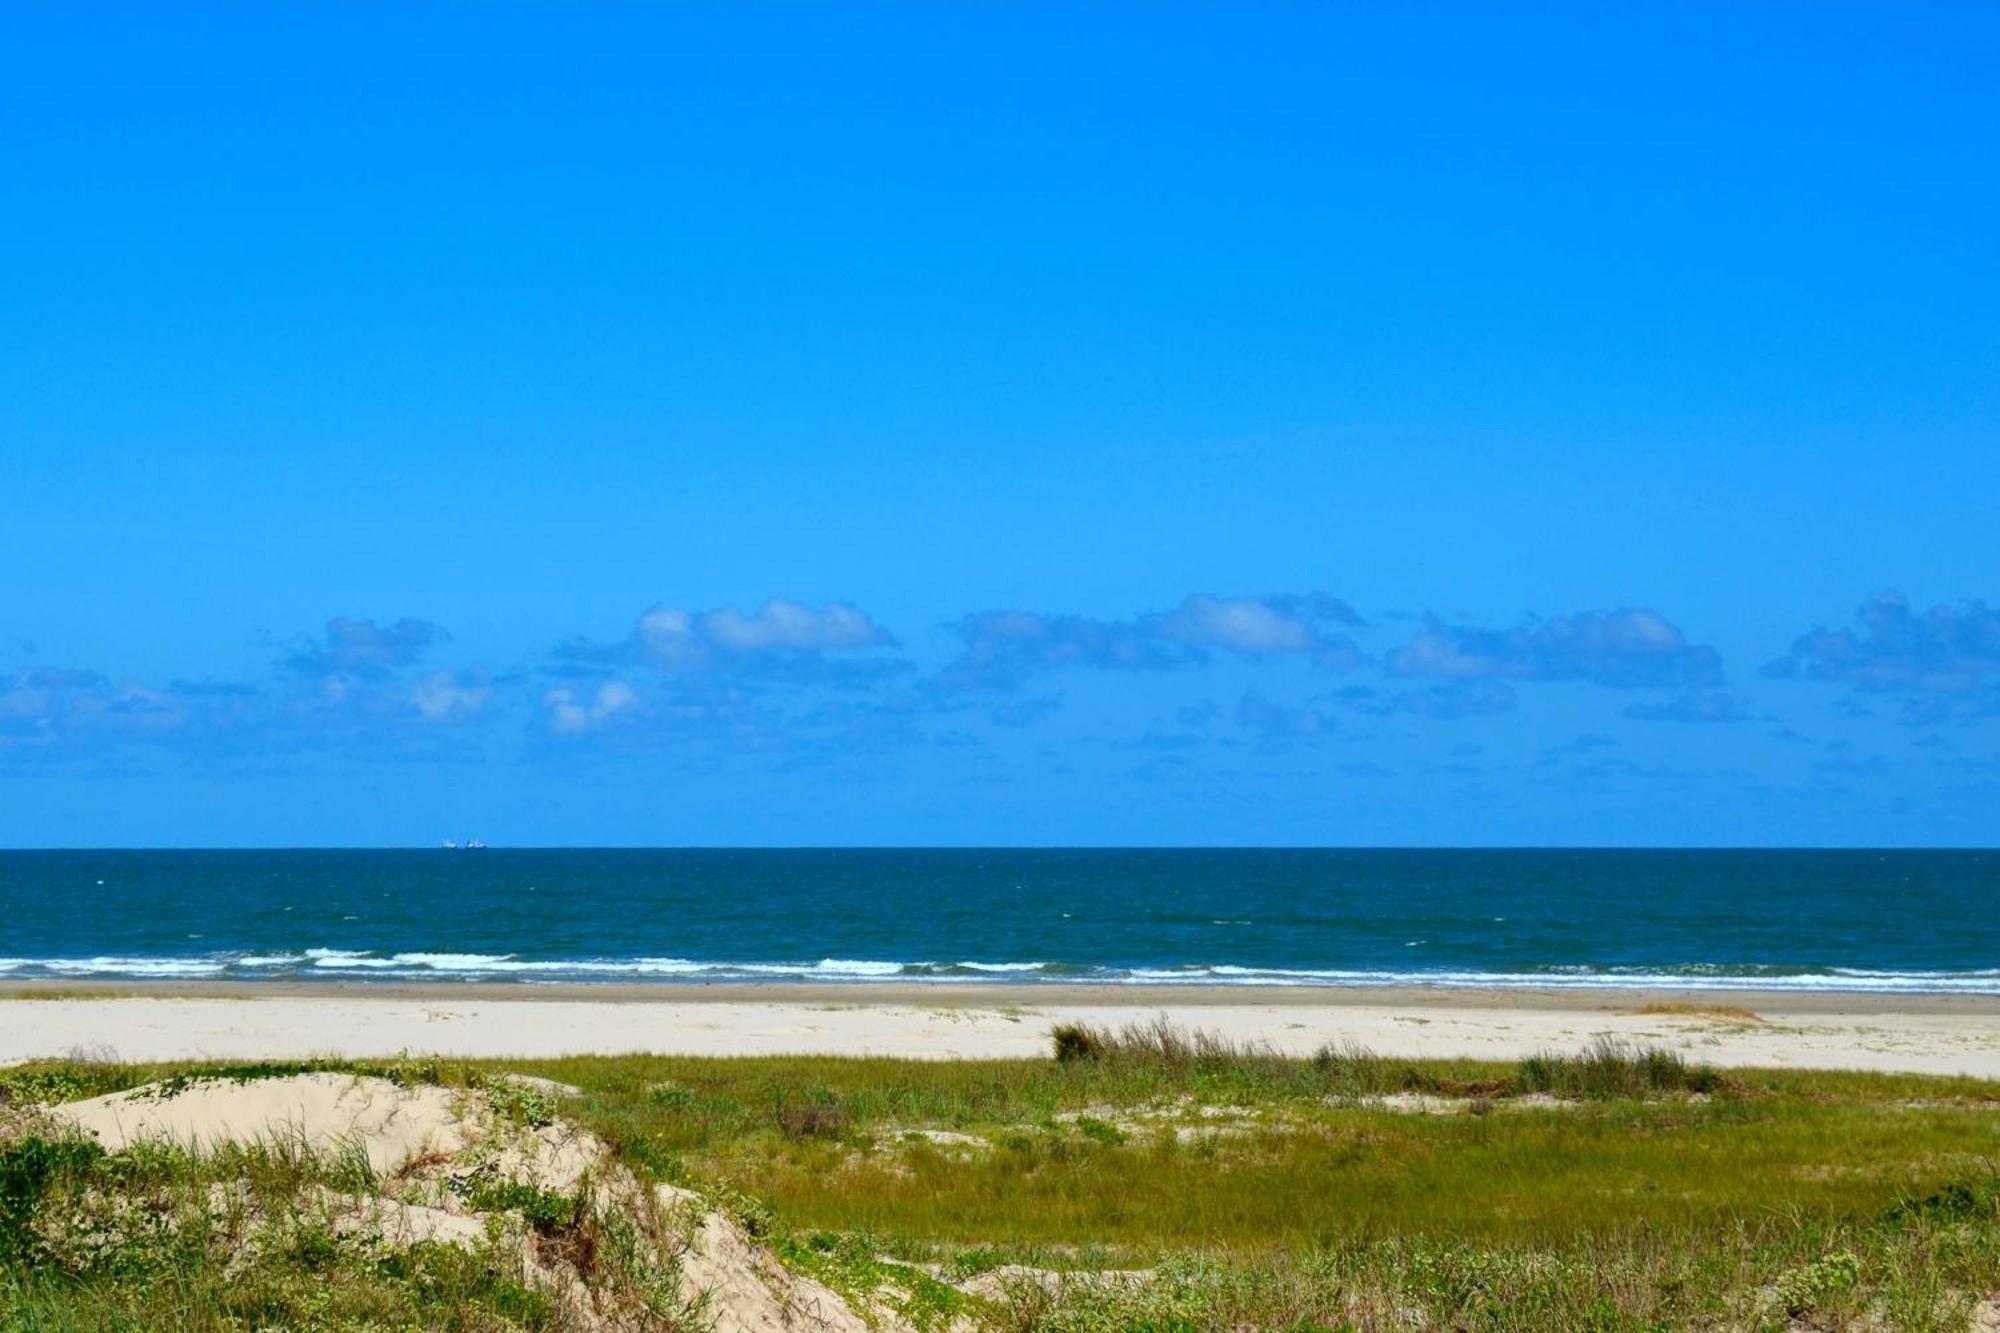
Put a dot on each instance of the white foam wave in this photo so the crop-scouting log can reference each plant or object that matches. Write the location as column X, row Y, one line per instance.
column 453, row 962
column 340, row 959
column 131, row 967
column 417, row 964
column 861, row 967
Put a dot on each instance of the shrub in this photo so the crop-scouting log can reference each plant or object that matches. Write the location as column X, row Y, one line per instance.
column 544, row 1210
column 1807, row 1288
column 819, row 1118
column 521, row 1103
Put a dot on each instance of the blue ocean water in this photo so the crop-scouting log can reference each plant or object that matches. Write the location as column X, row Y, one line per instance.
column 1863, row 920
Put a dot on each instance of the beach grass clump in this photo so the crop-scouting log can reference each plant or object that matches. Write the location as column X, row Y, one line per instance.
column 1078, row 1042
column 1609, row 1069
column 1163, row 1044
column 1723, row 1013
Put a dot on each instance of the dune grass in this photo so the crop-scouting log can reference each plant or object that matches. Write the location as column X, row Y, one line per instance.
column 1611, row 1188
column 161, row 1239
column 1725, row 1013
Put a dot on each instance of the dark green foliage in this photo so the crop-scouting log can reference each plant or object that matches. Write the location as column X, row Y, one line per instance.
column 32, row 1085
column 522, row 1103
column 1076, row 1042
column 28, row 1168
column 1958, row 1201
column 817, row 1115
column 544, row 1210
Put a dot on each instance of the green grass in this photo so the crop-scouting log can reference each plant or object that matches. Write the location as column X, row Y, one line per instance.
column 1608, row 1189
column 157, row 1238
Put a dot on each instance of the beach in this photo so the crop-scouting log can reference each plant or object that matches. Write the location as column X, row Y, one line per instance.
column 1930, row 1034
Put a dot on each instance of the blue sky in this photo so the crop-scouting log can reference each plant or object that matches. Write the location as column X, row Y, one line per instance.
column 1074, row 424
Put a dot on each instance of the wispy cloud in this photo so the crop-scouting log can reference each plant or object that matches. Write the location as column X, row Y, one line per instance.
column 1625, row 648
column 1275, row 726
column 1004, row 650
column 780, row 641
column 1449, row 700
column 353, row 690
column 365, row 648
column 1705, row 706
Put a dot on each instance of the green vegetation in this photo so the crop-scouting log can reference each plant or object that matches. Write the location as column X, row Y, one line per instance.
column 159, row 1239
column 1611, row 1189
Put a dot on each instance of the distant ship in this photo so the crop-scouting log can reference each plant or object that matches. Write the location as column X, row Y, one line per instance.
column 469, row 845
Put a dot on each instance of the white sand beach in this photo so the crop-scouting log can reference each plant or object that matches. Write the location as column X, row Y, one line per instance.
column 1916, row 1034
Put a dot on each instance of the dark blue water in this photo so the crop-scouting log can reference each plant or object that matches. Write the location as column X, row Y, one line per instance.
column 1893, row 920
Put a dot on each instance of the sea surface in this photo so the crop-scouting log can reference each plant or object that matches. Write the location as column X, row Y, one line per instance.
column 1920, row 921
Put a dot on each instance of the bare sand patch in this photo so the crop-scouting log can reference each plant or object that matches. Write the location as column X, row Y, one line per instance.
column 323, row 1113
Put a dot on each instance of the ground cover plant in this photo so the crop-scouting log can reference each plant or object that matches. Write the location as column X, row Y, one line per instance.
column 1215, row 1186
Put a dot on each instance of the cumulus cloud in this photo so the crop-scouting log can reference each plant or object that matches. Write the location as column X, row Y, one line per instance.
column 445, row 696
column 363, row 647
column 781, row 640
column 1625, row 648
column 573, row 713
column 1003, row 650
column 1947, row 650
column 1257, row 626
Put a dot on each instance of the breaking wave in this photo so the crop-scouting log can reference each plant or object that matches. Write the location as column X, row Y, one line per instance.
column 368, row 964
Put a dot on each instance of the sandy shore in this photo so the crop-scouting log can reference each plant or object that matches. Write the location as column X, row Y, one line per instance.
column 1923, row 1034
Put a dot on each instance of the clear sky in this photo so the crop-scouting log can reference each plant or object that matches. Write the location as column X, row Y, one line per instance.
column 1031, row 423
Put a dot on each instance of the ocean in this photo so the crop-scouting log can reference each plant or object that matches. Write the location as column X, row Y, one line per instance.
column 1915, row 921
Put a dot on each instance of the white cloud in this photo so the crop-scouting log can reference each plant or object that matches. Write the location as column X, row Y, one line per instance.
column 1240, row 624
column 442, row 697
column 572, row 715
column 781, row 640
